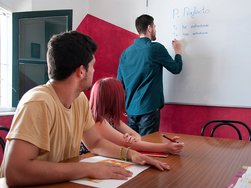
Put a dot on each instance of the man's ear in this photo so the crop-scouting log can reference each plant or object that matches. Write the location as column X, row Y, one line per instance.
column 149, row 28
column 81, row 72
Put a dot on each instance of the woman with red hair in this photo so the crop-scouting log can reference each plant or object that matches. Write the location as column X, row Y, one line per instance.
column 107, row 102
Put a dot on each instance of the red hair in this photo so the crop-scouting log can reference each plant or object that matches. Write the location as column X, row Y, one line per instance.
column 107, row 100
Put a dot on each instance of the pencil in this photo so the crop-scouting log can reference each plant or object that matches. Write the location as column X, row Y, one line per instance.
column 172, row 140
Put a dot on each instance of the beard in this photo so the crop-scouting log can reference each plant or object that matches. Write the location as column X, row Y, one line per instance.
column 153, row 37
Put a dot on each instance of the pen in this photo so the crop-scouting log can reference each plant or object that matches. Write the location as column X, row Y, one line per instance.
column 169, row 138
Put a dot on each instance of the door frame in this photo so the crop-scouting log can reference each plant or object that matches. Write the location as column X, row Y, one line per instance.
column 16, row 16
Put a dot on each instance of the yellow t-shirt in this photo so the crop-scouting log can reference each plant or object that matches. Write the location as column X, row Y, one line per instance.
column 43, row 121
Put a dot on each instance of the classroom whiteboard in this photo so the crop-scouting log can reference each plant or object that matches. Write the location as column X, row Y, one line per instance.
column 216, row 38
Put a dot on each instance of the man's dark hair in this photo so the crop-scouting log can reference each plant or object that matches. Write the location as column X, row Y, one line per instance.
column 67, row 51
column 142, row 22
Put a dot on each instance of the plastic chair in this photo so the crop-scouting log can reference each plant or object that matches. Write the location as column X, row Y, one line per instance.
column 231, row 123
column 2, row 140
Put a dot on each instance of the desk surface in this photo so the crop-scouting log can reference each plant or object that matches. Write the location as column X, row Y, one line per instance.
column 204, row 162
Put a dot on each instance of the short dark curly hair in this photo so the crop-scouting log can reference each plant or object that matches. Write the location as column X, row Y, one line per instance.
column 67, row 51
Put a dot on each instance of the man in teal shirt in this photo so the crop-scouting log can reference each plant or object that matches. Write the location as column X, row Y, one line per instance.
column 140, row 71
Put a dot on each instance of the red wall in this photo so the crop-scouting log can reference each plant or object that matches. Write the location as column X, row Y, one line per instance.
column 5, row 121
column 189, row 119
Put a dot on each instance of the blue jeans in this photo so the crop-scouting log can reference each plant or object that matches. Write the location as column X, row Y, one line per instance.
column 146, row 123
column 83, row 149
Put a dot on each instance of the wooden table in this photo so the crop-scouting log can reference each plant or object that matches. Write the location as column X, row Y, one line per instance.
column 204, row 162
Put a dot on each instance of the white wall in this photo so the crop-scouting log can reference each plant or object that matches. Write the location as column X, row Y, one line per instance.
column 16, row 5
column 79, row 7
column 118, row 12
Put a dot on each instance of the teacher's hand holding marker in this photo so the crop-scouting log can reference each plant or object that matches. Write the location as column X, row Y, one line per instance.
column 177, row 46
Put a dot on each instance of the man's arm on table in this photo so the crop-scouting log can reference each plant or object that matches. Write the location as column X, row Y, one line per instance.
column 23, row 169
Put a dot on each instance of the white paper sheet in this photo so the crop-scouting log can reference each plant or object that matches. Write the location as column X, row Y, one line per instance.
column 110, row 183
column 245, row 180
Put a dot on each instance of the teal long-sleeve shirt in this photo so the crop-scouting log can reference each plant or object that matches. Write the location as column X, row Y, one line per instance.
column 140, row 71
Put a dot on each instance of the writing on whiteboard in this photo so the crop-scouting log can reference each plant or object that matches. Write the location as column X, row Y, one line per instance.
column 185, row 30
column 189, row 12
column 185, row 23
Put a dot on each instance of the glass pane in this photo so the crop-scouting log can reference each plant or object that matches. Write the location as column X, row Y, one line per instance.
column 35, row 34
column 31, row 75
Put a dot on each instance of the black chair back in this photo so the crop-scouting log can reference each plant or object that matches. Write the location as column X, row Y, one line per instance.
column 232, row 123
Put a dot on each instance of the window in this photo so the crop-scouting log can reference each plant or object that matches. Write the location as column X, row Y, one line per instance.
column 5, row 60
